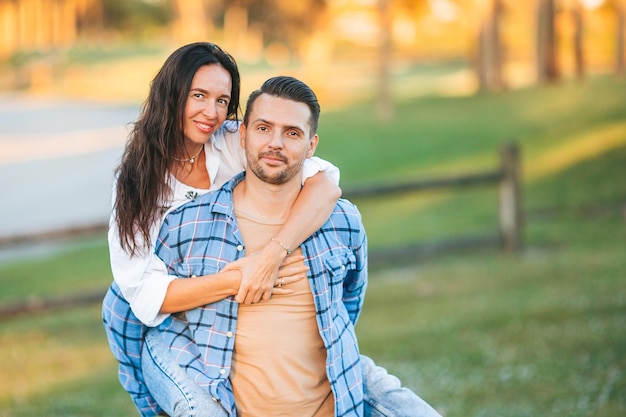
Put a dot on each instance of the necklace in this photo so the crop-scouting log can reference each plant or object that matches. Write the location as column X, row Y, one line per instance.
column 192, row 159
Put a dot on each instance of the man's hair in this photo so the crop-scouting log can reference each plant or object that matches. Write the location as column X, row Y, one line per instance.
column 291, row 89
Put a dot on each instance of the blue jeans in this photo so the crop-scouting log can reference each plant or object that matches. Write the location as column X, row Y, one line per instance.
column 179, row 396
column 384, row 395
column 169, row 384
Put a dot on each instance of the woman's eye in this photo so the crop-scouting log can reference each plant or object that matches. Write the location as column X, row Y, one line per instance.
column 223, row 101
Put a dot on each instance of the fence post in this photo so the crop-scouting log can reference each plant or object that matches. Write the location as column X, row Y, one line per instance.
column 511, row 217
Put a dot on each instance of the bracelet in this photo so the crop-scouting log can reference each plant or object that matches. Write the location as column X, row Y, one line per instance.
column 283, row 246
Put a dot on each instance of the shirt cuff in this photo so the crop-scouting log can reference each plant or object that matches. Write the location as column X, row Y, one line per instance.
column 314, row 165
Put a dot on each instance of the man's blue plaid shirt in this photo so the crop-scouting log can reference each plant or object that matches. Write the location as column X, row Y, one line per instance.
column 201, row 238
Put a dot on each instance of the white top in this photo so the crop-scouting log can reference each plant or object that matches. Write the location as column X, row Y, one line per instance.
column 143, row 278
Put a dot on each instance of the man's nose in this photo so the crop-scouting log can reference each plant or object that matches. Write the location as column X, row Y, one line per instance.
column 276, row 141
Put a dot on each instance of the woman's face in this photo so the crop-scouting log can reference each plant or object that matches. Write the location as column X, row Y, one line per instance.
column 207, row 104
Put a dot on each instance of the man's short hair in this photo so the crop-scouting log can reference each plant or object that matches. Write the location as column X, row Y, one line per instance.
column 291, row 89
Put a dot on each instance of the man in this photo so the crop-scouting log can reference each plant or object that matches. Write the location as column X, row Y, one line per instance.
column 295, row 354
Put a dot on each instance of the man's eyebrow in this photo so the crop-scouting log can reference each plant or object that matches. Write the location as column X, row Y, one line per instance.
column 269, row 122
column 261, row 120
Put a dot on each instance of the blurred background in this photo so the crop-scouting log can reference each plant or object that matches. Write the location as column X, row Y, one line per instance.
column 424, row 93
column 73, row 73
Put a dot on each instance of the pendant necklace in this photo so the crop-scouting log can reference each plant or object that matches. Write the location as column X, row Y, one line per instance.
column 190, row 160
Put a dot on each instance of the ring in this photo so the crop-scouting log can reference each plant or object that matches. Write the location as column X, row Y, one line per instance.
column 281, row 281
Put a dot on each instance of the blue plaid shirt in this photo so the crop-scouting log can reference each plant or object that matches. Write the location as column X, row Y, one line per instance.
column 201, row 238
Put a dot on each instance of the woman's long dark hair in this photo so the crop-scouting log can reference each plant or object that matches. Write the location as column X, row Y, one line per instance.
column 157, row 136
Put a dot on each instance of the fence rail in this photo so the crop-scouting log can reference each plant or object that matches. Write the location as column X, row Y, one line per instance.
column 510, row 228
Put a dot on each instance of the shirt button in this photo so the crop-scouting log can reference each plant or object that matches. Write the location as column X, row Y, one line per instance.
column 194, row 276
column 343, row 267
column 215, row 399
column 222, row 371
column 239, row 248
column 229, row 334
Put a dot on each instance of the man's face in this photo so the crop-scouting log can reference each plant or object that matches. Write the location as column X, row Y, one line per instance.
column 277, row 139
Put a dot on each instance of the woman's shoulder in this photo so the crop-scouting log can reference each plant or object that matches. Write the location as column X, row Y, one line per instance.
column 229, row 127
column 227, row 135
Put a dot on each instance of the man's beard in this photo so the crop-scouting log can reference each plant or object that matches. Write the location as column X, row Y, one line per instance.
column 278, row 178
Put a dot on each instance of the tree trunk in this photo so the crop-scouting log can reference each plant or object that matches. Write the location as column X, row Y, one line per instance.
column 620, row 14
column 384, row 100
column 190, row 21
column 579, row 57
column 489, row 49
column 547, row 68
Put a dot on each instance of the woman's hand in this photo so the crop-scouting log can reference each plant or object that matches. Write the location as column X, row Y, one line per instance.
column 261, row 276
column 292, row 270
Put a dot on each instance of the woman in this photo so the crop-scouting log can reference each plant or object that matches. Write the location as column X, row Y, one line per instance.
column 182, row 145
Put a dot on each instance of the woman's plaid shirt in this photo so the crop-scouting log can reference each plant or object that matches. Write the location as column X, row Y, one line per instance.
column 202, row 237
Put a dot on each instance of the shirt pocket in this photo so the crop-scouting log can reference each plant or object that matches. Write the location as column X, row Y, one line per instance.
column 200, row 318
column 197, row 268
column 337, row 267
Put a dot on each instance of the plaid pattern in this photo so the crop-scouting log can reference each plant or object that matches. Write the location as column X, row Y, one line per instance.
column 125, row 334
column 200, row 238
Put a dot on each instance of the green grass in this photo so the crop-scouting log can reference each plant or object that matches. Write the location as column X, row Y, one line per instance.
column 476, row 334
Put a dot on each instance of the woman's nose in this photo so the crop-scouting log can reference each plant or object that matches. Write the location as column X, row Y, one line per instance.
column 210, row 110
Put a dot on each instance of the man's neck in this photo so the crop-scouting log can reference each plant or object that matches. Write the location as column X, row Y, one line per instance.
column 269, row 202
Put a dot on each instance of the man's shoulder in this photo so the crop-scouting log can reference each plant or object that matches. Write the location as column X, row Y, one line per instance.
column 347, row 213
column 345, row 206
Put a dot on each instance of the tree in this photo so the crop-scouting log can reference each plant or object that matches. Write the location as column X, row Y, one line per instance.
column 579, row 57
column 190, row 21
column 488, row 59
column 384, row 100
column 620, row 15
column 547, row 67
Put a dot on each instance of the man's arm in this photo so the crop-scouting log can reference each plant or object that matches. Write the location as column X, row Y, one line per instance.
column 355, row 282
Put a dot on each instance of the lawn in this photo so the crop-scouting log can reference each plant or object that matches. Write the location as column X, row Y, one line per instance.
column 477, row 333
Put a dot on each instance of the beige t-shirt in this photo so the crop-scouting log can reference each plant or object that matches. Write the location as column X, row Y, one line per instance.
column 279, row 363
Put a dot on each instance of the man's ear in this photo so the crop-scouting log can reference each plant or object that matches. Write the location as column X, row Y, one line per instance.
column 312, row 145
column 242, row 136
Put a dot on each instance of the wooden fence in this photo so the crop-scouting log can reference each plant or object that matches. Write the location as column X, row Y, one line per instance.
column 510, row 228
column 508, row 237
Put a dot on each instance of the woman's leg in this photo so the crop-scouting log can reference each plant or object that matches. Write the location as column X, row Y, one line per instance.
column 385, row 396
column 170, row 386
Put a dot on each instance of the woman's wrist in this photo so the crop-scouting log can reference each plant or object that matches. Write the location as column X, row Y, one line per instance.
column 282, row 245
column 275, row 250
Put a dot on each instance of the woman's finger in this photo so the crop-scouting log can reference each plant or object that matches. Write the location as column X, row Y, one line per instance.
column 292, row 259
column 288, row 271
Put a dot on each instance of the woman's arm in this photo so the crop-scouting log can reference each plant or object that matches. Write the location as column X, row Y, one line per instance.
column 310, row 211
column 186, row 294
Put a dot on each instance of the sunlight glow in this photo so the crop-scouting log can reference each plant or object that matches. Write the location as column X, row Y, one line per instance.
column 592, row 4
column 444, row 10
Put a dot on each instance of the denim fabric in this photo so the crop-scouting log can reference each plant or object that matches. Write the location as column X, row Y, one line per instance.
column 170, row 385
column 384, row 395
